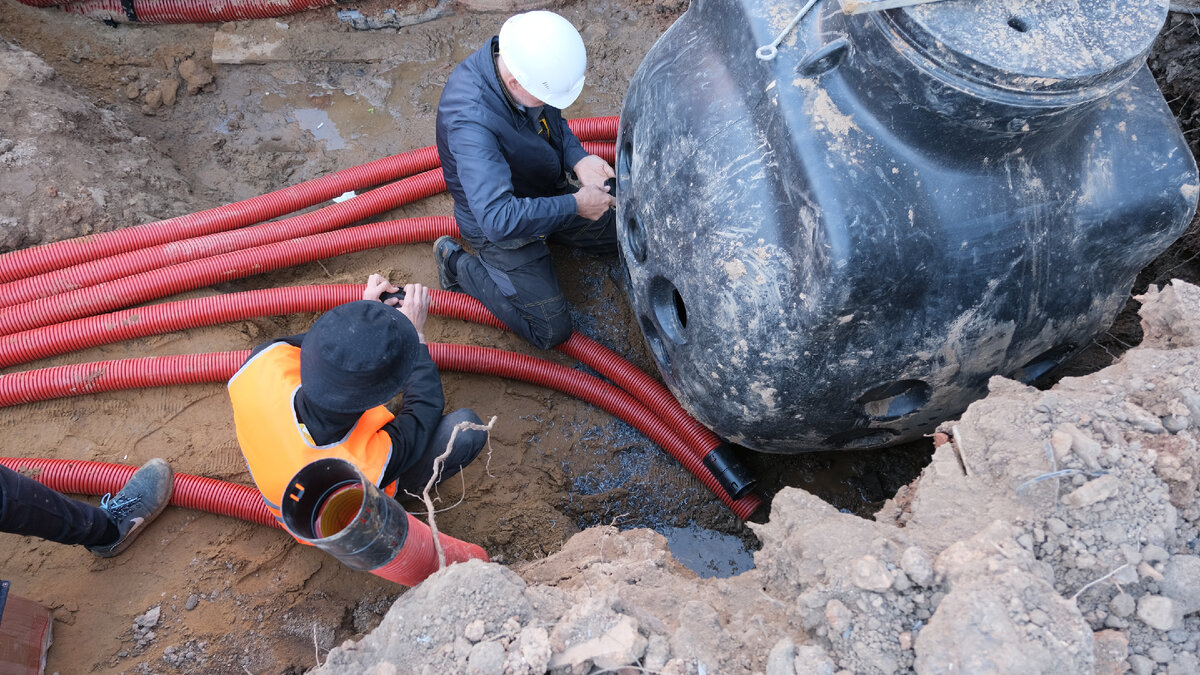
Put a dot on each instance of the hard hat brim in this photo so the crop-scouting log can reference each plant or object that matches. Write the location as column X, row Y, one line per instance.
column 563, row 101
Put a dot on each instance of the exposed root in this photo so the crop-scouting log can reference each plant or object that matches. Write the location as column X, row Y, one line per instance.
column 438, row 465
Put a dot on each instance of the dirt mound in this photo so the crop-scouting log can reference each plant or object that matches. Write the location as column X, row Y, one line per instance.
column 1054, row 531
column 117, row 177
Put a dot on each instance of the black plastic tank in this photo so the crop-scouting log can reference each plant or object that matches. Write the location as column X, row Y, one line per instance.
column 838, row 247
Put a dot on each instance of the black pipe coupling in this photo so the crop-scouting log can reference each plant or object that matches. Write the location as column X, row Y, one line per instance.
column 729, row 471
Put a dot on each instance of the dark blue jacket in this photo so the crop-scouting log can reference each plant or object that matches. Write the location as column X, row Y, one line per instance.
column 508, row 183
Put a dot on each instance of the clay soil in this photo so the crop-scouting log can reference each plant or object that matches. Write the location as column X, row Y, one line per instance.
column 202, row 593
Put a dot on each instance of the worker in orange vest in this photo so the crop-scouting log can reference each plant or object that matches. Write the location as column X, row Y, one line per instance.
column 323, row 394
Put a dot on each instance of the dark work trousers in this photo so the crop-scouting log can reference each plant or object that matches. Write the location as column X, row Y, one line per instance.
column 519, row 285
column 29, row 508
column 467, row 445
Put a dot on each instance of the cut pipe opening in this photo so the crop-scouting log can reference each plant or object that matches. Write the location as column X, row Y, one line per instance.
column 895, row 399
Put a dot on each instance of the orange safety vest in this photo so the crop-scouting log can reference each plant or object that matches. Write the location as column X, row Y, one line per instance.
column 276, row 445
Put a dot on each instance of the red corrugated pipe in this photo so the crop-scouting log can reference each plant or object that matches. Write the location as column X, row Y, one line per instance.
column 71, row 380
column 188, row 11
column 191, row 492
column 172, row 316
column 415, row 561
column 39, row 259
column 331, row 217
column 208, row 271
column 132, row 262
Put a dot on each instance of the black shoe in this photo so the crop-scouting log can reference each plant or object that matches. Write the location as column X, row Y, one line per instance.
column 443, row 248
column 139, row 502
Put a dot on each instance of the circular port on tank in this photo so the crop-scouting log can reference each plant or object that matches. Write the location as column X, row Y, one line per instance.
column 635, row 238
column 669, row 309
column 657, row 348
column 895, row 399
column 1043, row 363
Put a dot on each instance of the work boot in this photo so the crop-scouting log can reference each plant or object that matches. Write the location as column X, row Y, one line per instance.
column 139, row 502
column 443, row 249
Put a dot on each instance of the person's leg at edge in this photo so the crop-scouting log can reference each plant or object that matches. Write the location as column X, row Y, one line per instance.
column 467, row 445
column 29, row 508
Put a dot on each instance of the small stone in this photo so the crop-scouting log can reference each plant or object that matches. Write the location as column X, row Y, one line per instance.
column 1111, row 648
column 1175, row 423
column 1141, row 665
column 1158, row 612
column 658, row 650
column 194, row 75
column 1122, row 605
column 869, row 574
column 1184, row 664
column 1154, row 553
column 781, row 660
column 917, row 566
column 1160, row 653
column 1060, row 443
column 132, row 91
column 1181, row 582
column 1146, row 571
column 838, row 616
column 475, row 630
column 812, row 660
column 169, row 90
column 1055, row 526
column 487, row 658
column 1093, row 491
column 192, row 601
column 1084, row 446
column 149, row 619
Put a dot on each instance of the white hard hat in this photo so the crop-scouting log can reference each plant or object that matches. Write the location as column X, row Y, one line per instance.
column 546, row 55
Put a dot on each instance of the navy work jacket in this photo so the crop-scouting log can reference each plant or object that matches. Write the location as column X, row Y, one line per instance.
column 509, row 184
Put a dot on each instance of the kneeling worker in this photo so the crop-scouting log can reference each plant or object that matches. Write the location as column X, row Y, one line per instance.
column 321, row 394
column 506, row 151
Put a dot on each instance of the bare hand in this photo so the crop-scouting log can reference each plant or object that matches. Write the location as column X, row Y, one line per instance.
column 376, row 285
column 416, row 307
column 593, row 171
column 592, row 202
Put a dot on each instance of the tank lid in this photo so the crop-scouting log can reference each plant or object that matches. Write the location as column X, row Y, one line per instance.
column 1032, row 46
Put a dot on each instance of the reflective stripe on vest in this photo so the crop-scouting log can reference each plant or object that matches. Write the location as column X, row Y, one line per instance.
column 274, row 444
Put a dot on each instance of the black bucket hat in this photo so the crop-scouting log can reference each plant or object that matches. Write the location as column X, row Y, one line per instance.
column 357, row 356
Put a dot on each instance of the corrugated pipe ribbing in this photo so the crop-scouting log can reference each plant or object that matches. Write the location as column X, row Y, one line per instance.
column 39, row 259
column 191, row 492
column 60, row 254
column 188, row 11
column 129, row 263
column 71, row 380
column 415, row 561
column 208, row 271
column 128, row 324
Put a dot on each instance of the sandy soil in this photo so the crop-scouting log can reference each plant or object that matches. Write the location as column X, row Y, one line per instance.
column 233, row 597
